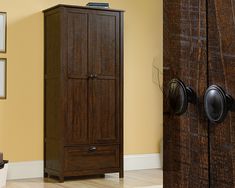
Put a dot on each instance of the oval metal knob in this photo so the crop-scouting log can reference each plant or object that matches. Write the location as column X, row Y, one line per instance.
column 217, row 103
column 179, row 96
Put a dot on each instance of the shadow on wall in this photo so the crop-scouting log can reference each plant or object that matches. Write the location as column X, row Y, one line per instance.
column 157, row 73
column 22, row 112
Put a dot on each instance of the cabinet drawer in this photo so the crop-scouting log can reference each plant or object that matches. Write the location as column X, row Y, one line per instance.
column 91, row 157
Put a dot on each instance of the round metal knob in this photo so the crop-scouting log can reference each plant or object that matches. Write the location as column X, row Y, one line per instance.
column 217, row 103
column 179, row 96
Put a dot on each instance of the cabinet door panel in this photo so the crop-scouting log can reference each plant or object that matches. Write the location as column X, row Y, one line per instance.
column 221, row 52
column 186, row 136
column 77, row 45
column 77, row 126
column 104, row 112
column 103, row 44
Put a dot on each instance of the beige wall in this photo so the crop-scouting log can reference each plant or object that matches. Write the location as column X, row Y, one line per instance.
column 21, row 115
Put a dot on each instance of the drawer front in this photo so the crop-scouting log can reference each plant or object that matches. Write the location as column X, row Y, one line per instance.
column 91, row 157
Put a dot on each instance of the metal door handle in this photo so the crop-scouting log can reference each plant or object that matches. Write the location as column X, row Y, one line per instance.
column 217, row 103
column 179, row 96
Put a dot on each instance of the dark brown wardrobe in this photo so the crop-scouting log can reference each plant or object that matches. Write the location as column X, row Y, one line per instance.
column 83, row 91
column 199, row 87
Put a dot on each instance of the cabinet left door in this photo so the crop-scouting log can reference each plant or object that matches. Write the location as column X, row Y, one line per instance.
column 185, row 58
column 77, row 78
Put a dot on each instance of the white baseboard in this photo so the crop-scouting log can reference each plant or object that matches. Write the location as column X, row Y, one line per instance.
column 24, row 170
column 34, row 169
column 142, row 161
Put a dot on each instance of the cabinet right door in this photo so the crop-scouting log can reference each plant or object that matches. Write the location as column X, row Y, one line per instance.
column 221, row 55
column 104, row 60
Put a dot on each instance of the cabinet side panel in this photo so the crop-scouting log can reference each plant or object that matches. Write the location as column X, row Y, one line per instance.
column 52, row 87
column 52, row 44
column 121, row 85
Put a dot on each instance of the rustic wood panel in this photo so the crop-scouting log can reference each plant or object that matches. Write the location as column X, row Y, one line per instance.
column 221, row 53
column 185, row 137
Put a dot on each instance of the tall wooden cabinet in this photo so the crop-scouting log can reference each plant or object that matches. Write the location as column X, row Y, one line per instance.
column 83, row 91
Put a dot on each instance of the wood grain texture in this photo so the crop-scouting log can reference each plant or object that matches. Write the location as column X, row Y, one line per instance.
column 221, row 52
column 185, row 57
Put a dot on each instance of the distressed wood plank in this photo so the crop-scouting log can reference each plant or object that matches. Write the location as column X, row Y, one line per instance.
column 185, row 57
column 221, row 53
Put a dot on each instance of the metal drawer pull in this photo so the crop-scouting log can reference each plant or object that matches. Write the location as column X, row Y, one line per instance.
column 92, row 149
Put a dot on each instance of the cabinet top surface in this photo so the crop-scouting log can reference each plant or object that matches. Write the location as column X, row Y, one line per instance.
column 82, row 7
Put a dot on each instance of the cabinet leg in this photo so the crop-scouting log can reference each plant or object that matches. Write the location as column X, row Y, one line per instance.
column 61, row 179
column 102, row 175
column 121, row 174
column 45, row 175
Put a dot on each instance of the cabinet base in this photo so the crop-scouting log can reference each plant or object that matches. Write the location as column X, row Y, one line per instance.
column 77, row 175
